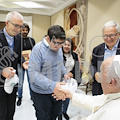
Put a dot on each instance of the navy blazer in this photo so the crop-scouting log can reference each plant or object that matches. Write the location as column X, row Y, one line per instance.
column 97, row 58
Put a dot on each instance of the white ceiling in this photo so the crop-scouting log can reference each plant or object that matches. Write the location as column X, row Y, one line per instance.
column 50, row 6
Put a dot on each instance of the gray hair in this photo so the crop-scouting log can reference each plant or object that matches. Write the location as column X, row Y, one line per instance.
column 109, row 70
column 111, row 23
column 10, row 15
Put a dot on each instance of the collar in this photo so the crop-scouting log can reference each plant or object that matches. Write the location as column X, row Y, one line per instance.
column 112, row 96
column 114, row 48
column 6, row 34
column 45, row 41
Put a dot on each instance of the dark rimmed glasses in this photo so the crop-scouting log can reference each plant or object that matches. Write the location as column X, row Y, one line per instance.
column 111, row 36
column 16, row 26
column 57, row 43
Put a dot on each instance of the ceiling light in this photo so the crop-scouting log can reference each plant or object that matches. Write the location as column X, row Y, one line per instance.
column 28, row 4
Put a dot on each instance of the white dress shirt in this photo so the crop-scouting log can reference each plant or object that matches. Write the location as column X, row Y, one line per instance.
column 69, row 64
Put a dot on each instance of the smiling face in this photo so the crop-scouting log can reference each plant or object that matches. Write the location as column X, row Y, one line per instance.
column 67, row 47
column 110, row 41
column 11, row 29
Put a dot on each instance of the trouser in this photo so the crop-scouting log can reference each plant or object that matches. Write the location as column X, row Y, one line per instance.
column 47, row 108
column 96, row 88
column 64, row 107
column 7, row 104
column 21, row 73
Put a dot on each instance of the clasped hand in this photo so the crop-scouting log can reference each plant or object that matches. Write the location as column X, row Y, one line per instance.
column 59, row 93
column 63, row 94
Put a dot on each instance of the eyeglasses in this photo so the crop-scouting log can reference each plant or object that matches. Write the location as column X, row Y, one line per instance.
column 111, row 36
column 57, row 43
column 17, row 26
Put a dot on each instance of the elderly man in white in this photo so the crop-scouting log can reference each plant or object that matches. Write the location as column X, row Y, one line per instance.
column 107, row 105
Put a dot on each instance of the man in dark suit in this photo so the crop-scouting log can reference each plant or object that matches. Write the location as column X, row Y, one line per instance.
column 110, row 47
column 10, row 56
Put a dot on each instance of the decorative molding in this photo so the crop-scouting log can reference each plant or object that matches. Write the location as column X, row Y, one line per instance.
column 77, row 30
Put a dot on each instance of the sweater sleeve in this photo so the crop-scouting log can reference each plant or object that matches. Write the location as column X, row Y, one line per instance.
column 37, row 78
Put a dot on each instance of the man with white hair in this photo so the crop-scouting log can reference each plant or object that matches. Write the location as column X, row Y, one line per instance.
column 10, row 56
column 110, row 47
column 107, row 105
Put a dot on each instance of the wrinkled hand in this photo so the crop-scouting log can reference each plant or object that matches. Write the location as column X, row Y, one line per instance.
column 25, row 65
column 70, row 75
column 59, row 95
column 97, row 77
column 67, row 93
column 8, row 72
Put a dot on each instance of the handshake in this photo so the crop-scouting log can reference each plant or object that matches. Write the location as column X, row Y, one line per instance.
column 64, row 89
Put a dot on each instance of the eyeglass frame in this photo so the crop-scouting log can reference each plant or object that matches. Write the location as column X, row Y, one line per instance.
column 111, row 36
column 15, row 25
column 57, row 43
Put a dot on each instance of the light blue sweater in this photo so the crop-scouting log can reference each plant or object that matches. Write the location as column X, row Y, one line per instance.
column 45, row 68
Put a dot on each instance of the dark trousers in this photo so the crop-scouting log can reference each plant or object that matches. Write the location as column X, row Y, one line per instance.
column 64, row 107
column 7, row 104
column 96, row 88
column 47, row 108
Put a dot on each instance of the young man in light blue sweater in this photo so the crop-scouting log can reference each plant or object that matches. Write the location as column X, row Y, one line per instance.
column 45, row 71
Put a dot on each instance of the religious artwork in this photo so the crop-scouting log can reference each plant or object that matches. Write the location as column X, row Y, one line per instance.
column 75, row 24
column 26, row 54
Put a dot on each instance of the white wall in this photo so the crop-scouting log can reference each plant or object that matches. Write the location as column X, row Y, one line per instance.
column 58, row 18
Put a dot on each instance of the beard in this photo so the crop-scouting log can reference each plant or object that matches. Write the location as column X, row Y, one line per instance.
column 24, row 34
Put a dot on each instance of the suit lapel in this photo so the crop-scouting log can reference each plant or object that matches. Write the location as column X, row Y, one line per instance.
column 4, row 44
column 15, row 44
column 101, row 52
column 3, row 39
column 118, row 49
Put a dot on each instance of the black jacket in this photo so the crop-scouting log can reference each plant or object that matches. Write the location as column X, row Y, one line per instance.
column 28, row 43
column 6, row 60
